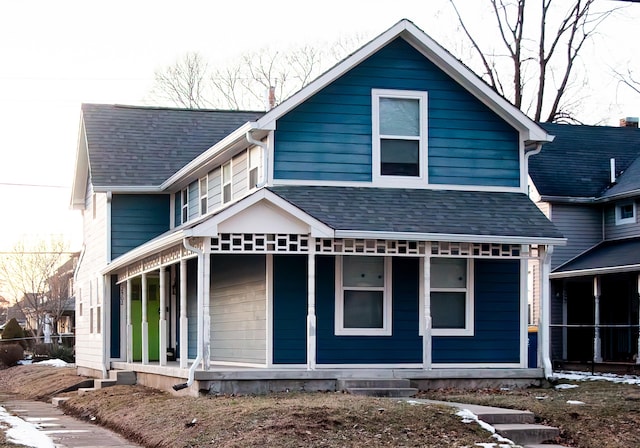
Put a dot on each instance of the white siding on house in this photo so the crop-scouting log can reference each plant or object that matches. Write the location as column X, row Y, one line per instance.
column 580, row 224
column 214, row 189
column 614, row 231
column 240, row 182
column 238, row 309
column 194, row 200
column 89, row 285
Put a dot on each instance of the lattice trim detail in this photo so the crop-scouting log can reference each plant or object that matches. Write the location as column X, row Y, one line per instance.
column 260, row 242
column 492, row 250
column 381, row 247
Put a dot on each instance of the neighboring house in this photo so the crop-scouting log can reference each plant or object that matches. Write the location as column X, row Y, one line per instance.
column 375, row 223
column 61, row 302
column 588, row 183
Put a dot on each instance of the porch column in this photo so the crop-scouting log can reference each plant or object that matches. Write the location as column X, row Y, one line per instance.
column 597, row 344
column 163, row 317
column 206, row 306
column 311, row 306
column 129, row 324
column 184, row 322
column 544, row 337
column 145, row 322
column 638, row 352
column 426, row 298
column 565, row 320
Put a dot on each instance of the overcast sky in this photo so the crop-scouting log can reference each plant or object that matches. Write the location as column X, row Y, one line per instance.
column 54, row 55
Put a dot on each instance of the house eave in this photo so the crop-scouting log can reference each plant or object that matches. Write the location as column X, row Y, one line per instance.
column 124, row 189
column 567, row 199
column 595, row 271
column 461, row 238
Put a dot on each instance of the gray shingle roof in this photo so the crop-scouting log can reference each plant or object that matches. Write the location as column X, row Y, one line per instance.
column 421, row 211
column 628, row 181
column 144, row 146
column 609, row 254
column 576, row 163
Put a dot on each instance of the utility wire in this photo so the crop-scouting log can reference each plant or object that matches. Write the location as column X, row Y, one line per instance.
column 10, row 184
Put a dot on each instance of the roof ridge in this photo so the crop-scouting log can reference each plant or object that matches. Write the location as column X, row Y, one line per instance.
column 170, row 108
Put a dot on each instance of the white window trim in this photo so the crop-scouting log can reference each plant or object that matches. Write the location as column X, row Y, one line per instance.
column 257, row 165
column 618, row 212
column 399, row 181
column 184, row 205
column 387, row 315
column 203, row 194
column 468, row 329
column 224, row 182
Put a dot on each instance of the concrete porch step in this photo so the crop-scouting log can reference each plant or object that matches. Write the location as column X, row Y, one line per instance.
column 123, row 377
column 383, row 391
column 526, row 433
column 100, row 384
column 377, row 387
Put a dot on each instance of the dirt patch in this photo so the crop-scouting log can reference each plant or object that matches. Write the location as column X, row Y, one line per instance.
column 38, row 382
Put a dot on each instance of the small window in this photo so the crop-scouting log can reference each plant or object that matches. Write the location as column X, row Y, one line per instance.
column 185, row 205
column 226, row 182
column 399, row 136
column 626, row 213
column 254, row 166
column 98, row 320
column 451, row 298
column 91, row 320
column 203, row 185
column 363, row 296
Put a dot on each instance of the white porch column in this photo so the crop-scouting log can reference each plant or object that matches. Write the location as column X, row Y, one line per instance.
column 597, row 344
column 163, row 317
column 184, row 322
column 145, row 322
column 206, row 337
column 426, row 297
column 638, row 352
column 129, row 324
column 544, row 336
column 311, row 305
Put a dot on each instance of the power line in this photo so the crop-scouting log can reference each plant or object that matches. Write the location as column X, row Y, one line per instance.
column 10, row 184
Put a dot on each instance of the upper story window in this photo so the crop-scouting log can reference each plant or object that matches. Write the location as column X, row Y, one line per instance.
column 626, row 213
column 203, row 187
column 185, row 205
column 399, row 119
column 254, row 166
column 226, row 182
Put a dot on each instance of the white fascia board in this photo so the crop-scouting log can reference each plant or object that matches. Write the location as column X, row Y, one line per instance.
column 145, row 250
column 209, row 226
column 123, row 189
column 596, row 271
column 458, row 238
column 197, row 163
column 81, row 170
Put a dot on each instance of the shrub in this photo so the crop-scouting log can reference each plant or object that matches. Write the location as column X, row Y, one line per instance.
column 10, row 354
column 53, row 351
column 13, row 330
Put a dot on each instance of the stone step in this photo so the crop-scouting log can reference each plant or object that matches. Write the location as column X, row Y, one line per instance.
column 100, row 384
column 493, row 415
column 383, row 391
column 526, row 433
column 123, row 377
column 347, row 383
column 86, row 390
column 55, row 401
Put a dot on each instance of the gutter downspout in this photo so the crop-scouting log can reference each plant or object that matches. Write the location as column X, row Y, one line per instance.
column 200, row 321
column 531, row 152
column 265, row 157
column 545, row 312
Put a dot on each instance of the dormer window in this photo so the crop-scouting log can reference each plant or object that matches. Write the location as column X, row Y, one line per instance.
column 399, row 136
column 626, row 213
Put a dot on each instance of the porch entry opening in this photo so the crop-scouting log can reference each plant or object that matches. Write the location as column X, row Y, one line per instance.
column 153, row 313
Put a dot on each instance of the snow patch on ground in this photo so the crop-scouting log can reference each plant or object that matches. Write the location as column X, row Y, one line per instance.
column 469, row 417
column 586, row 376
column 53, row 363
column 24, row 433
column 575, row 402
column 566, row 386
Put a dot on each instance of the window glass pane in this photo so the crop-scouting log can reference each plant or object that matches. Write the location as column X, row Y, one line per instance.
column 626, row 211
column 226, row 193
column 448, row 309
column 253, row 177
column 363, row 271
column 399, row 157
column 203, row 186
column 448, row 273
column 363, row 309
column 399, row 116
column 226, row 172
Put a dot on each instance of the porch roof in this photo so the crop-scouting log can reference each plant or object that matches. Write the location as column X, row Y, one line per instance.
column 422, row 211
column 606, row 257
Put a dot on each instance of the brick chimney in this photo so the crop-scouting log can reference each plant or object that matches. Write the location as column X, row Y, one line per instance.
column 629, row 122
column 272, row 99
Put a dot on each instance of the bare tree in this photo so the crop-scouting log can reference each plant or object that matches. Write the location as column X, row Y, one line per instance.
column 629, row 79
column 27, row 273
column 543, row 60
column 183, row 83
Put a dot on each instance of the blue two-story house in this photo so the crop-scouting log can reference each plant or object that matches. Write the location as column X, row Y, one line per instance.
column 376, row 223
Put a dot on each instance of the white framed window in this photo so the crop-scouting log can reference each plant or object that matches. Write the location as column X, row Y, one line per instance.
column 185, row 205
column 452, row 305
column 626, row 213
column 226, row 182
column 363, row 296
column 254, row 157
column 203, row 186
column 399, row 129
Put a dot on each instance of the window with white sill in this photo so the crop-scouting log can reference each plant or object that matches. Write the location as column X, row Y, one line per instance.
column 626, row 213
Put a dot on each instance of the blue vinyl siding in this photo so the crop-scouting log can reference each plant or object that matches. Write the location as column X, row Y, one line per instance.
column 136, row 219
column 497, row 318
column 290, row 309
column 404, row 346
column 328, row 137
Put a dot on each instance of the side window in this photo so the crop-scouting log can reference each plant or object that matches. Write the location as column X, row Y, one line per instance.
column 626, row 213
column 399, row 144
column 185, row 205
column 363, row 296
column 254, row 166
column 226, row 182
column 203, row 185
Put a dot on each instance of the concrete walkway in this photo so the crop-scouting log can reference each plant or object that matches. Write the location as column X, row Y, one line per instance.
column 65, row 431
